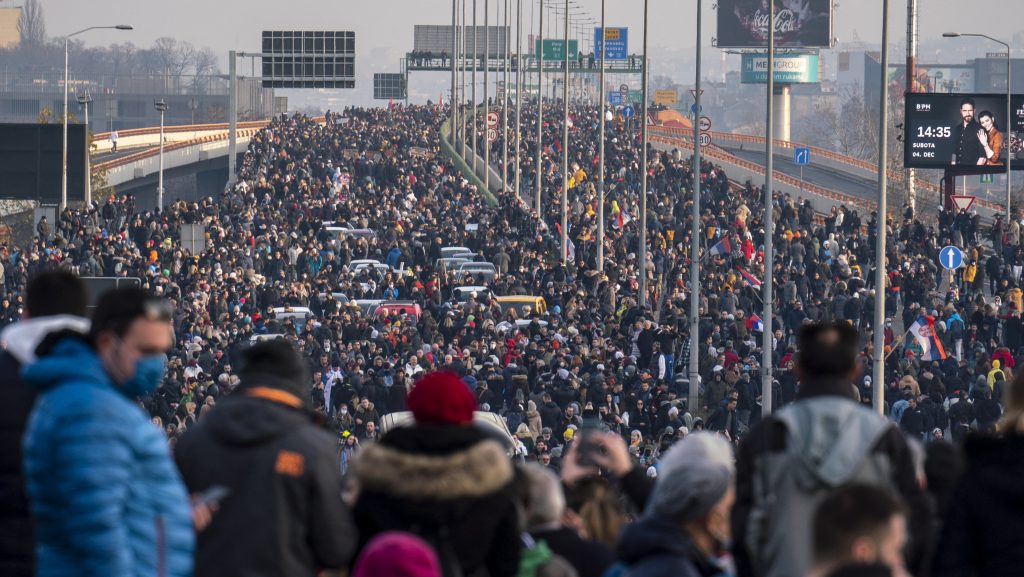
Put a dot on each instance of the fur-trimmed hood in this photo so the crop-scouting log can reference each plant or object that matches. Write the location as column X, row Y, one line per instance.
column 433, row 464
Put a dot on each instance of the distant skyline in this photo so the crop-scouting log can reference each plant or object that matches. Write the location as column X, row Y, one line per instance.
column 384, row 29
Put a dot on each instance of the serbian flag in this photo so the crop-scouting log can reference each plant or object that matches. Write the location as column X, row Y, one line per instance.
column 923, row 332
column 723, row 247
column 748, row 279
column 754, row 323
column 391, row 102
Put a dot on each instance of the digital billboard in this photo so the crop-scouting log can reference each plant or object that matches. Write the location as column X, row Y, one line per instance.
column 798, row 23
column 309, row 59
column 961, row 132
column 31, row 156
column 388, row 86
column 789, row 68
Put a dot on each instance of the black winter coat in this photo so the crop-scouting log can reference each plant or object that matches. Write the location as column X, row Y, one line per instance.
column 284, row 482
column 983, row 533
column 17, row 540
column 655, row 547
column 450, row 485
column 589, row 558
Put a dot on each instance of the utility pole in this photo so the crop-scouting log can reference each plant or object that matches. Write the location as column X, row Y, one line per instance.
column 454, row 117
column 768, row 334
column 519, row 88
column 504, row 108
column 232, row 116
column 642, row 264
column 600, row 150
column 476, row 64
column 565, row 142
column 692, row 399
column 878, row 372
column 540, row 113
column 487, row 105
column 161, row 107
column 911, row 78
column 85, row 100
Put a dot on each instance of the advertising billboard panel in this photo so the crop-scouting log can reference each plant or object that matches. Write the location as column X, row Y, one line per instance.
column 798, row 23
column 437, row 39
column 789, row 68
column 617, row 40
column 31, row 156
column 962, row 132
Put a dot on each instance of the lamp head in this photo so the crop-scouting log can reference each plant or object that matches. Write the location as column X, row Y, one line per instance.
column 124, row 27
column 950, row 34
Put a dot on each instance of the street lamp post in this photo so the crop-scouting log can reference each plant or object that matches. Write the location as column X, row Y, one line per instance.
column 694, row 360
column 768, row 334
column 84, row 100
column 642, row 260
column 64, row 161
column 1009, row 111
column 161, row 107
column 600, row 149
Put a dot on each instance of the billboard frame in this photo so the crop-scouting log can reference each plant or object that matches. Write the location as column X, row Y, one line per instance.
column 723, row 41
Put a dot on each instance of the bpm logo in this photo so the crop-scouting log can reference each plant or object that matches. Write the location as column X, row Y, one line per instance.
column 923, row 107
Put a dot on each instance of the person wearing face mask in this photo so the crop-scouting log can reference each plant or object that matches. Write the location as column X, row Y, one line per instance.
column 106, row 496
column 686, row 523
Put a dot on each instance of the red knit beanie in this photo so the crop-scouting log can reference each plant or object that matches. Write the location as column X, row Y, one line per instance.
column 441, row 398
column 396, row 554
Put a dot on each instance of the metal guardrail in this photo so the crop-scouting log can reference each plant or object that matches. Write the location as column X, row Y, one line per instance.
column 894, row 175
column 180, row 128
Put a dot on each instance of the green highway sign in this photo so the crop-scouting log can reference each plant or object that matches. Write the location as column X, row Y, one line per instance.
column 554, row 49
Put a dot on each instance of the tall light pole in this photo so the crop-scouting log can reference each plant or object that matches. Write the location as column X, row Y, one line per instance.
column 600, row 149
column 642, row 272
column 565, row 141
column 540, row 113
column 519, row 88
column 476, row 64
column 504, row 106
column 769, row 224
column 878, row 370
column 454, row 98
column 64, row 161
column 694, row 360
column 85, row 100
column 161, row 107
column 1009, row 113
column 487, row 107
column 462, row 91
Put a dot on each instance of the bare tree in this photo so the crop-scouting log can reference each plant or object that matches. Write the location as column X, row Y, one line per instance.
column 174, row 56
column 32, row 24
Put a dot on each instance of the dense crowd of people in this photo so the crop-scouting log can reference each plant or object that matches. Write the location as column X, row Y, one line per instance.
column 279, row 359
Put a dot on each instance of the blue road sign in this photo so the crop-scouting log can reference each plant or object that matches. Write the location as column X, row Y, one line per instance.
column 951, row 257
column 693, row 109
column 618, row 44
column 802, row 156
column 615, row 98
column 628, row 111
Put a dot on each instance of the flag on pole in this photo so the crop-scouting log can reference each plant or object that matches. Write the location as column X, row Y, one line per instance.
column 923, row 332
column 723, row 247
column 391, row 102
column 748, row 279
column 754, row 323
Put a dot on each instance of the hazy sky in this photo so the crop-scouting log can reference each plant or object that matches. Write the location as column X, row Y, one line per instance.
column 384, row 28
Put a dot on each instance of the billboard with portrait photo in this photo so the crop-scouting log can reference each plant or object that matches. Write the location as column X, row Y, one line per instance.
column 962, row 132
column 798, row 23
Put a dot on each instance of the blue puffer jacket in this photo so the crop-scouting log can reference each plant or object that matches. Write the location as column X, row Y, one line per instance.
column 107, row 498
